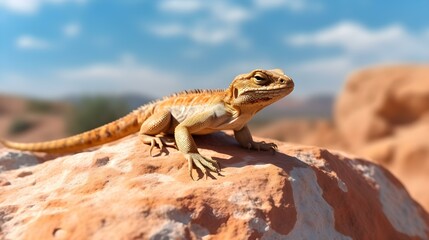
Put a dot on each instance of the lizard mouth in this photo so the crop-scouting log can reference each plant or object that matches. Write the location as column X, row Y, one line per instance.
column 268, row 92
column 263, row 95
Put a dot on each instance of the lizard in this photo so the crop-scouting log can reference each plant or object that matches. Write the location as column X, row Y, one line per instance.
column 183, row 114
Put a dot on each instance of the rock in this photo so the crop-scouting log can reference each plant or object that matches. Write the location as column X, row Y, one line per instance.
column 119, row 192
column 383, row 114
column 15, row 160
column 377, row 101
column 406, row 155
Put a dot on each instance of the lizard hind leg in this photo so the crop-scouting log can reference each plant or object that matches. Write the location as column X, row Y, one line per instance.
column 152, row 129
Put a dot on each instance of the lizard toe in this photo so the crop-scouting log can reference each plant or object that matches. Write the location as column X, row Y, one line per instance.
column 152, row 145
column 204, row 164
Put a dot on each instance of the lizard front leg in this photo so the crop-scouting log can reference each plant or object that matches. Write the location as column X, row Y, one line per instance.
column 244, row 138
column 152, row 128
column 187, row 146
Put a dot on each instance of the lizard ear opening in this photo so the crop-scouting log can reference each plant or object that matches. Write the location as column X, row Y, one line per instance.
column 235, row 92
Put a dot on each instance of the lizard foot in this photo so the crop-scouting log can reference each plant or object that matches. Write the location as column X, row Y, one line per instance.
column 262, row 146
column 160, row 142
column 205, row 164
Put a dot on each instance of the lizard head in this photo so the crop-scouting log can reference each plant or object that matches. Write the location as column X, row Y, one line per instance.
column 259, row 88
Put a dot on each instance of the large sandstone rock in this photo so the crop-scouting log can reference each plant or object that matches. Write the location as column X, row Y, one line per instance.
column 120, row 192
column 406, row 155
column 377, row 101
column 383, row 114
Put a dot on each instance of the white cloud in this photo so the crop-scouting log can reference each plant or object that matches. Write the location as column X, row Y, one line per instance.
column 294, row 5
column 72, row 30
column 182, row 6
column 190, row 6
column 30, row 42
column 215, row 22
column 199, row 33
column 221, row 10
column 228, row 13
column 31, row 6
column 127, row 75
column 391, row 43
column 21, row 6
column 356, row 47
column 350, row 36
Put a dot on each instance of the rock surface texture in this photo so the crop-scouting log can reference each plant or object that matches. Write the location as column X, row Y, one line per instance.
column 120, row 192
column 383, row 115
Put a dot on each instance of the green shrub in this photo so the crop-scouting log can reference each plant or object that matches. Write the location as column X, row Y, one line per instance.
column 92, row 112
column 21, row 125
column 40, row 106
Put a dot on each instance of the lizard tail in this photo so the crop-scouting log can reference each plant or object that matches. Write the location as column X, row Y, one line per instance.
column 120, row 128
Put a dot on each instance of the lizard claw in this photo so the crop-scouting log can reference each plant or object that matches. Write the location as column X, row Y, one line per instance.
column 205, row 164
column 263, row 146
column 153, row 142
column 160, row 142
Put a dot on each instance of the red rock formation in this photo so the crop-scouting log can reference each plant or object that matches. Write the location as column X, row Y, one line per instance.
column 377, row 101
column 120, row 192
column 383, row 114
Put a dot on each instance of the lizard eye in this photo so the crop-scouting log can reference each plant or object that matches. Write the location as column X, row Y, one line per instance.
column 259, row 78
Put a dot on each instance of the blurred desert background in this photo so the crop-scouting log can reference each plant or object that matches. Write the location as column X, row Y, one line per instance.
column 361, row 69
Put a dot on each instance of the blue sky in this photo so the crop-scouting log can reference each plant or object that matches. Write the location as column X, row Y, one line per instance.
column 56, row 48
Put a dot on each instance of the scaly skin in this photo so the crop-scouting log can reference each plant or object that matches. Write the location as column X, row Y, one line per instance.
column 185, row 114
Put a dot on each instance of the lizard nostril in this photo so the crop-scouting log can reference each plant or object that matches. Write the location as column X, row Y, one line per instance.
column 282, row 81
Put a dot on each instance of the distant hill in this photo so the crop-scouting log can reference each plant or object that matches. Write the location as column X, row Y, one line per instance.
column 318, row 106
column 134, row 100
column 27, row 119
